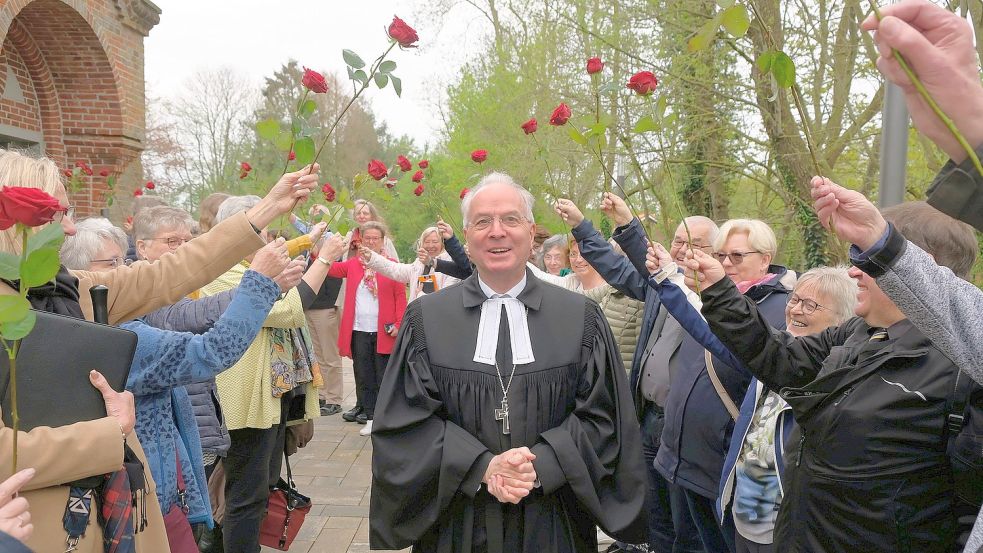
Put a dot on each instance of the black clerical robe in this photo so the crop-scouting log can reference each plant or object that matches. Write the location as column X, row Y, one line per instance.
column 435, row 431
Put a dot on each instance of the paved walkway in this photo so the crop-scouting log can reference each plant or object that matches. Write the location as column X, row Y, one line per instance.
column 335, row 471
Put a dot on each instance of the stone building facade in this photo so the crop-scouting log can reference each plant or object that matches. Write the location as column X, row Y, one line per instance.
column 72, row 86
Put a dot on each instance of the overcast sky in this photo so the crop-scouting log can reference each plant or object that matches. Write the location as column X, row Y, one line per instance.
column 255, row 37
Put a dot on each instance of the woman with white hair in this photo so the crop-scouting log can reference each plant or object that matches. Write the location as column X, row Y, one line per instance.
column 421, row 275
column 750, row 486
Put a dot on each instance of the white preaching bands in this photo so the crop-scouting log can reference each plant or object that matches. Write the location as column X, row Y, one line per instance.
column 491, row 309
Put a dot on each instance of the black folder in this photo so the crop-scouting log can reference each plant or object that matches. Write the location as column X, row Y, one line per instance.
column 53, row 365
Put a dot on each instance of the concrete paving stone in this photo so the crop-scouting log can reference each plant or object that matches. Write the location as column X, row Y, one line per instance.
column 321, row 468
column 346, row 510
column 343, row 522
column 327, row 482
column 337, row 496
column 311, row 528
column 333, row 540
column 362, row 535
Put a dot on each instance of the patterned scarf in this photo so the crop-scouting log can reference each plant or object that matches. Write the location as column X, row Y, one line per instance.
column 292, row 363
column 369, row 278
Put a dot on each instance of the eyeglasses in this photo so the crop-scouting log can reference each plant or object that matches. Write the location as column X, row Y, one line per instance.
column 172, row 242
column 510, row 221
column 684, row 243
column 69, row 212
column 114, row 262
column 808, row 306
column 736, row 258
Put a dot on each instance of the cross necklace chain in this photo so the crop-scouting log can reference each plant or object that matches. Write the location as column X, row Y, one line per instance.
column 503, row 413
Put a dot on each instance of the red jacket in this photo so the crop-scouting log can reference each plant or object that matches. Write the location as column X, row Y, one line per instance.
column 392, row 304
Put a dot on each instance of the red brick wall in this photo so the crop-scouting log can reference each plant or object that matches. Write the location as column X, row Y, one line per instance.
column 80, row 65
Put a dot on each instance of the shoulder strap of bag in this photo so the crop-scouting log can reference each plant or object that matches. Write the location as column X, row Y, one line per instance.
column 955, row 412
column 182, row 495
column 719, row 387
column 290, row 476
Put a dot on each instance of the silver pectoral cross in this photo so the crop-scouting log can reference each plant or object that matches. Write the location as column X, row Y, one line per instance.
column 503, row 415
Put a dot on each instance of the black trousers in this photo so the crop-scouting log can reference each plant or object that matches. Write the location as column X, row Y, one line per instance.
column 252, row 467
column 369, row 367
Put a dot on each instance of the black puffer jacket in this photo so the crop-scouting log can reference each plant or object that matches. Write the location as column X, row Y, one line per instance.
column 867, row 469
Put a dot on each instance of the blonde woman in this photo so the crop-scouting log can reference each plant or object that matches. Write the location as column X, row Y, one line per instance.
column 421, row 275
column 363, row 212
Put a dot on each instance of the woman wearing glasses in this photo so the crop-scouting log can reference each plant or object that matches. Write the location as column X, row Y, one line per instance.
column 750, row 487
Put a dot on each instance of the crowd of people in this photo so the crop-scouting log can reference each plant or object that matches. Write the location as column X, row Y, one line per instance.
column 521, row 389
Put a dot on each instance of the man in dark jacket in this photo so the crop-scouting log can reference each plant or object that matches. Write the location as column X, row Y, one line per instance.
column 670, row 527
column 877, row 405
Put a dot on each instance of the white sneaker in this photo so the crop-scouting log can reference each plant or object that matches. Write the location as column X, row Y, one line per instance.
column 367, row 429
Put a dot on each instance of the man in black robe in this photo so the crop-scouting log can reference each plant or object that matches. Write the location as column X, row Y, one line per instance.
column 504, row 422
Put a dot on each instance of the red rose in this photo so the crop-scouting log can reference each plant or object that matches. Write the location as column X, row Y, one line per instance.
column 418, row 190
column 594, row 65
column 104, row 173
column 137, row 192
column 129, row 220
column 246, row 167
column 560, row 115
column 314, row 81
column 67, row 173
column 329, row 192
column 643, row 83
column 464, row 192
column 378, row 169
column 31, row 207
column 291, row 156
column 478, row 156
column 530, row 126
column 404, row 164
column 243, row 175
column 150, row 185
column 424, row 163
column 87, row 170
column 402, row 33
column 418, row 177
column 391, row 183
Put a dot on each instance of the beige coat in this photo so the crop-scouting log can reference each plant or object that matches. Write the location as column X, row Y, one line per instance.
column 96, row 447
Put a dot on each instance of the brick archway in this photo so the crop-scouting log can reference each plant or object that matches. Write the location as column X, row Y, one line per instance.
column 78, row 95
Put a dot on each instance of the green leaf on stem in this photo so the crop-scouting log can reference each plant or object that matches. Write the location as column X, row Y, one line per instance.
column 735, row 20
column 358, row 180
column 381, row 80
column 387, row 67
column 702, row 38
column 645, row 124
column 13, row 308
column 304, row 148
column 40, row 267
column 15, row 330
column 765, row 61
column 307, row 108
column 50, row 236
column 267, row 129
column 343, row 227
column 576, row 135
column 783, row 68
column 660, row 106
column 9, row 265
column 109, row 201
column 296, row 126
column 352, row 59
column 361, row 77
column 597, row 130
column 397, row 85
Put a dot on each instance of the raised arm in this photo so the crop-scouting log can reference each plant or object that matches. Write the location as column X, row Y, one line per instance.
column 190, row 315
column 400, row 272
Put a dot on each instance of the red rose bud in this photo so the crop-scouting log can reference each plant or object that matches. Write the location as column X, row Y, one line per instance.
column 402, row 33
column 418, row 177
column 87, row 170
column 418, row 190
column 314, row 81
column 104, row 173
column 291, row 156
column 246, row 167
column 594, row 65
column 31, row 207
column 138, row 192
column 560, row 115
column 150, row 185
column 67, row 173
column 479, row 156
column 530, row 126
column 404, row 164
column 391, row 183
column 243, row 175
column 643, row 83
column 378, row 169
column 464, row 192
column 80, row 164
column 129, row 220
column 424, row 163
column 329, row 192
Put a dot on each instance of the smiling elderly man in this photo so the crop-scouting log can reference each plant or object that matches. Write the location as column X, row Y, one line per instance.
column 504, row 422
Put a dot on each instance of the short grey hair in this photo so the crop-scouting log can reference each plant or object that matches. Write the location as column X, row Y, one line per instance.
column 235, row 204
column 835, row 284
column 78, row 251
column 694, row 220
column 556, row 241
column 151, row 221
column 498, row 178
